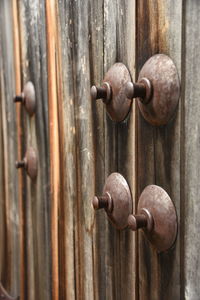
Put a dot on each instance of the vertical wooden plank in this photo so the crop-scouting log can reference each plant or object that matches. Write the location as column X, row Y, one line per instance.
column 67, row 246
column 79, row 151
column 78, row 130
column 119, row 46
column 111, row 234
column 96, row 39
column 54, row 140
column 16, row 37
column 126, row 150
column 2, row 192
column 159, row 31
column 190, row 143
column 9, row 188
column 32, row 24
column 84, row 150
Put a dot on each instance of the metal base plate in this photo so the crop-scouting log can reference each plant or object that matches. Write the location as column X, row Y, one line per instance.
column 32, row 163
column 163, row 75
column 29, row 96
column 119, row 106
column 161, row 207
column 118, row 188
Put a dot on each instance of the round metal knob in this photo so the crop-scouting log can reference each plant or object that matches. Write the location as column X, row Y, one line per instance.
column 29, row 163
column 157, row 217
column 27, row 98
column 112, row 92
column 157, row 89
column 116, row 200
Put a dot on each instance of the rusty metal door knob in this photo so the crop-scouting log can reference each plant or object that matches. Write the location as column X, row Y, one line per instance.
column 112, row 92
column 27, row 98
column 157, row 216
column 29, row 163
column 4, row 295
column 116, row 200
column 157, row 89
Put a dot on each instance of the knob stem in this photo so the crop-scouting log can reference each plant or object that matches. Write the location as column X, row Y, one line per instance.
column 20, row 164
column 19, row 98
column 135, row 90
column 141, row 89
column 103, row 92
column 137, row 221
column 104, row 201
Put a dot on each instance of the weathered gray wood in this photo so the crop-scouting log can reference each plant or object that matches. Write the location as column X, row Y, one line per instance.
column 110, row 156
column 67, row 244
column 100, row 243
column 190, row 146
column 9, row 185
column 84, row 150
column 32, row 24
column 159, row 25
column 84, row 257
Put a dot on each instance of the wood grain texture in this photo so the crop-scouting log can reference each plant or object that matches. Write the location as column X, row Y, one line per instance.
column 34, row 131
column 9, row 184
column 67, row 155
column 84, row 152
column 90, row 262
column 54, row 140
column 119, row 46
column 66, row 250
column 159, row 30
column 190, row 143
column 17, row 62
column 126, row 150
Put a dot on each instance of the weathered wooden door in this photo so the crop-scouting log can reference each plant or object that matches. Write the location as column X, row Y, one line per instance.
column 53, row 245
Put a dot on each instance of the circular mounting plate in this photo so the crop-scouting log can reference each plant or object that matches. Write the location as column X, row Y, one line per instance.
column 29, row 96
column 163, row 75
column 119, row 105
column 31, row 163
column 159, row 204
column 118, row 188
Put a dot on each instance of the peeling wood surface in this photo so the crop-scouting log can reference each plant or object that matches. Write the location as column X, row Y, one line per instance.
column 54, row 245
